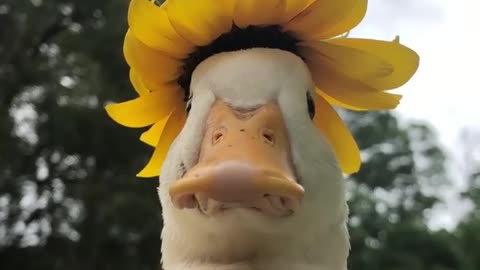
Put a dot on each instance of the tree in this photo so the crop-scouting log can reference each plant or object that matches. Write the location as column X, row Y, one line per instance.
column 389, row 199
column 68, row 198
column 467, row 230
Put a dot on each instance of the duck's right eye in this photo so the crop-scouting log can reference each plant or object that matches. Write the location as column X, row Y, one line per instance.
column 188, row 107
column 311, row 106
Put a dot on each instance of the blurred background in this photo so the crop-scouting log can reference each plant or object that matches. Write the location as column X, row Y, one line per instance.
column 69, row 198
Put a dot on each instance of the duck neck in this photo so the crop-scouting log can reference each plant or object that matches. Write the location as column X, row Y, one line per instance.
column 325, row 251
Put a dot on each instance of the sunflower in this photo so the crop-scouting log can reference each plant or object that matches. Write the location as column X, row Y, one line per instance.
column 165, row 42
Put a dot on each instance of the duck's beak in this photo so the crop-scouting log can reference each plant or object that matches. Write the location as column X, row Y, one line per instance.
column 244, row 162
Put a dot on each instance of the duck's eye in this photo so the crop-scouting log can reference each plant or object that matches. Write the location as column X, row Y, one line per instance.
column 188, row 106
column 311, row 106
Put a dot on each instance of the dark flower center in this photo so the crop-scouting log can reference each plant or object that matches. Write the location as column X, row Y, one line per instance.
column 235, row 40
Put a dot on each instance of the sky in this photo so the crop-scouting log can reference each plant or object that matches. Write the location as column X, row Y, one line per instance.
column 445, row 91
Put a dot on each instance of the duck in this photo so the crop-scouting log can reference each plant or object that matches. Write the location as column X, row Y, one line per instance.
column 250, row 182
column 250, row 153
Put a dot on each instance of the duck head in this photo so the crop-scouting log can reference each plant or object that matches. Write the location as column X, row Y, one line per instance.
column 250, row 182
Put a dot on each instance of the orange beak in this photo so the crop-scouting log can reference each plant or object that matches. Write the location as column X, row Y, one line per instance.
column 244, row 162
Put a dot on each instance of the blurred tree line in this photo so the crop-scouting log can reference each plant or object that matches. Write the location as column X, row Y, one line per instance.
column 68, row 195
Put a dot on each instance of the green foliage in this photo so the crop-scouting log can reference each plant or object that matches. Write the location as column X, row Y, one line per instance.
column 388, row 205
column 68, row 195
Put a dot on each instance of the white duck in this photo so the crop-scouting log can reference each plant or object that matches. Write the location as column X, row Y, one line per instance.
column 249, row 122
column 250, row 182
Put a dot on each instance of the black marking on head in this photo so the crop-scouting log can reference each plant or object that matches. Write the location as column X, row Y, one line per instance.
column 238, row 39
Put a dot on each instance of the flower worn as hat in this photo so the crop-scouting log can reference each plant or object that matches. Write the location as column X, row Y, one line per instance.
column 166, row 42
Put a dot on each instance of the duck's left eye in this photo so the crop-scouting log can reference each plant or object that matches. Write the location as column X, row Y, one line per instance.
column 310, row 105
column 188, row 106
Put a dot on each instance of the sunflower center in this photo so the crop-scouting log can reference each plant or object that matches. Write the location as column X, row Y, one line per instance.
column 235, row 40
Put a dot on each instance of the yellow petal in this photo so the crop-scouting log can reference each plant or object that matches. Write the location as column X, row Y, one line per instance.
column 200, row 22
column 152, row 135
column 354, row 63
column 137, row 83
column 295, row 7
column 351, row 92
column 173, row 127
column 338, row 135
column 145, row 110
column 254, row 12
column 326, row 18
column 153, row 67
column 150, row 24
column 337, row 103
column 267, row 12
column 403, row 60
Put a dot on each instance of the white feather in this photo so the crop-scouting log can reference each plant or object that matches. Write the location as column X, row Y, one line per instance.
column 315, row 237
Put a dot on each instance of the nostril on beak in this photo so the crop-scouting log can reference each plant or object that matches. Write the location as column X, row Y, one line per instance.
column 218, row 135
column 268, row 136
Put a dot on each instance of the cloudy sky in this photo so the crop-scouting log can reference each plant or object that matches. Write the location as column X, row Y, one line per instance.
column 445, row 92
